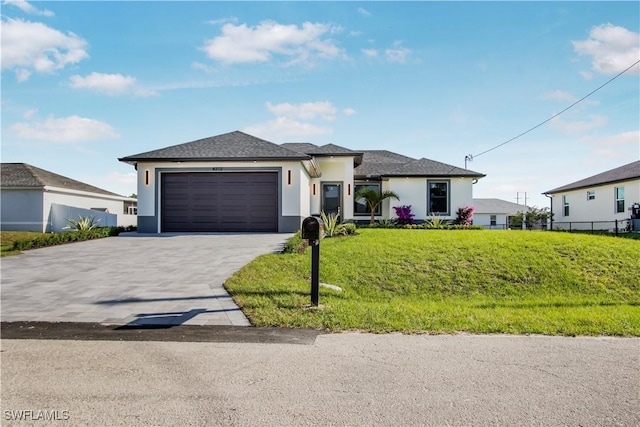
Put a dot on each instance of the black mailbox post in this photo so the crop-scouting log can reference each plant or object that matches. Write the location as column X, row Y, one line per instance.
column 311, row 230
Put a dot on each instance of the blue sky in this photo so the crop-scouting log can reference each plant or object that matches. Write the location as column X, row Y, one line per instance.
column 84, row 83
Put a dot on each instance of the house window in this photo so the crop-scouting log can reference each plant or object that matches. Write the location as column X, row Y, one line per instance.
column 360, row 207
column 619, row 199
column 565, row 205
column 438, row 197
column 493, row 220
column 591, row 195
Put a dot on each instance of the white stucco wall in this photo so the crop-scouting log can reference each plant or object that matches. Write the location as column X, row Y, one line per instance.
column 602, row 208
column 484, row 219
column 291, row 194
column 413, row 191
column 335, row 169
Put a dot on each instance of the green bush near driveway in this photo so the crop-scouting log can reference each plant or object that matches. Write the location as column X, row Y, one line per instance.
column 445, row 281
column 16, row 241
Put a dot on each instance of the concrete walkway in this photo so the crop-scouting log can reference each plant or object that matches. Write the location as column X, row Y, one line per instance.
column 133, row 279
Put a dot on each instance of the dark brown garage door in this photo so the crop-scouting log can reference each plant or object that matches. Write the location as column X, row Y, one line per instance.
column 232, row 201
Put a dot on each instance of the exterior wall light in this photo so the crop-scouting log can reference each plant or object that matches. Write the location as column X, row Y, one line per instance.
column 147, row 177
column 289, row 177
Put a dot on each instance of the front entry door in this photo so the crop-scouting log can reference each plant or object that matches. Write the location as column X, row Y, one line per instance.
column 332, row 198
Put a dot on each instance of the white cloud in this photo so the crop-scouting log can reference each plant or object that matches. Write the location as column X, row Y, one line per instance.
column 577, row 127
column 567, row 97
column 243, row 44
column 559, row 95
column 231, row 19
column 22, row 75
column 307, row 110
column 110, row 84
column 34, row 46
column 67, row 129
column 130, row 178
column 29, row 113
column 355, row 33
column 203, row 67
column 623, row 138
column 349, row 111
column 370, row 52
column 612, row 49
column 397, row 53
column 285, row 127
column 27, row 8
column 586, row 75
column 364, row 12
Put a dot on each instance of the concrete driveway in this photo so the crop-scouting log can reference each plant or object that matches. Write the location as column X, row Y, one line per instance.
column 133, row 279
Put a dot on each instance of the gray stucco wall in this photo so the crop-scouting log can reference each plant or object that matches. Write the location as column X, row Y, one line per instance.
column 21, row 210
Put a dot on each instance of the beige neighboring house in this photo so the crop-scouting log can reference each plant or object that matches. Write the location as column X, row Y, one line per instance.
column 34, row 199
column 495, row 213
column 605, row 197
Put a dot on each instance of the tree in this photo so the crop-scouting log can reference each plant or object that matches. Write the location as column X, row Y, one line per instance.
column 534, row 218
column 373, row 198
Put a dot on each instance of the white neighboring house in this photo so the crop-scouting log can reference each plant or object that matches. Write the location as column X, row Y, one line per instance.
column 604, row 198
column 495, row 213
column 31, row 196
column 238, row 182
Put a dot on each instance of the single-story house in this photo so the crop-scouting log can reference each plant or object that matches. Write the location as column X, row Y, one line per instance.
column 238, row 182
column 605, row 197
column 495, row 213
column 29, row 195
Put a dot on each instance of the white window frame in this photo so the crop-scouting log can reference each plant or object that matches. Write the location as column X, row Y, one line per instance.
column 591, row 195
column 619, row 197
column 565, row 205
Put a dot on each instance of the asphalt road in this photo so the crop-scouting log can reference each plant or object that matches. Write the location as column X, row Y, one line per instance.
column 334, row 379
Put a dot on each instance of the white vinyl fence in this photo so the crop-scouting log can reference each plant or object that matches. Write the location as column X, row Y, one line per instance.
column 60, row 213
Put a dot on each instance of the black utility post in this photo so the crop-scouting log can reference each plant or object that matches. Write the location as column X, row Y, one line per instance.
column 311, row 230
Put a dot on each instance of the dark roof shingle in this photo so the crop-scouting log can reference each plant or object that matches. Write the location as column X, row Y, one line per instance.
column 23, row 175
column 386, row 163
column 229, row 146
column 622, row 173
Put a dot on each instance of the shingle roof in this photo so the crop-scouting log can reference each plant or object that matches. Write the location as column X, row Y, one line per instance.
column 323, row 150
column 229, row 146
column 496, row 206
column 385, row 163
column 622, row 173
column 23, row 175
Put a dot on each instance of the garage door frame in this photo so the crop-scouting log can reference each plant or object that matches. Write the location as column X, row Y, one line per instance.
column 162, row 171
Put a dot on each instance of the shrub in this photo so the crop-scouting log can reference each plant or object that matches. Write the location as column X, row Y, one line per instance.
column 385, row 223
column 435, row 222
column 350, row 229
column 464, row 216
column 404, row 214
column 332, row 226
column 61, row 238
column 295, row 245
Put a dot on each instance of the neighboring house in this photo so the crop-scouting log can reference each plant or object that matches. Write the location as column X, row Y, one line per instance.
column 29, row 196
column 607, row 196
column 237, row 182
column 495, row 213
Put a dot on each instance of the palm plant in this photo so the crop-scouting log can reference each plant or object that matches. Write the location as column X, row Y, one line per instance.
column 83, row 224
column 373, row 198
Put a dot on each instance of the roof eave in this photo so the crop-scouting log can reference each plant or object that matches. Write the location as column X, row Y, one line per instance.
column 134, row 160
column 582, row 187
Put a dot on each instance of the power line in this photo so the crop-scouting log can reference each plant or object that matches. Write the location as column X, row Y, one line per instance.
column 557, row 114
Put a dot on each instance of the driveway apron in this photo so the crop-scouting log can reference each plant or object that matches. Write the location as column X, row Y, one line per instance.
column 133, row 279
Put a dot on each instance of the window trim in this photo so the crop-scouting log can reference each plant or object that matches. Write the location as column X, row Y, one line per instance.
column 591, row 195
column 565, row 205
column 357, row 184
column 493, row 219
column 618, row 199
column 448, row 197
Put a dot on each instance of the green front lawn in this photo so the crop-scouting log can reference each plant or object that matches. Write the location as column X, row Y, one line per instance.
column 447, row 281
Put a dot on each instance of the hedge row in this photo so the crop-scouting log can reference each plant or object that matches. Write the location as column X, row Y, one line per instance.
column 60, row 238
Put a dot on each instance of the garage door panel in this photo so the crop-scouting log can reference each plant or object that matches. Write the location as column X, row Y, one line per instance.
column 219, row 201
